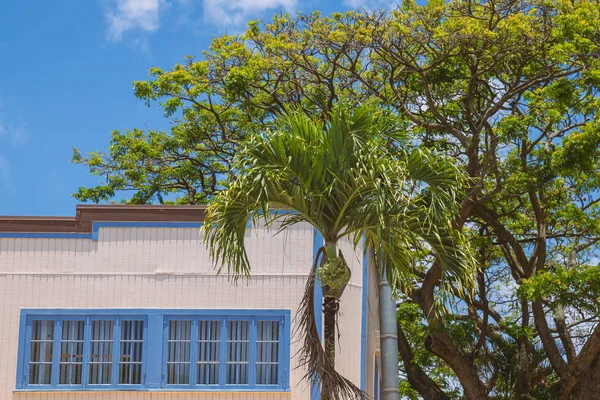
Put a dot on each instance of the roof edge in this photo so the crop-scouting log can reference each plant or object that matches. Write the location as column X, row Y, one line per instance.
column 87, row 214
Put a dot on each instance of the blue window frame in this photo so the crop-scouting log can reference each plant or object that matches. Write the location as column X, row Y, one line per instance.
column 179, row 350
column 210, row 352
column 78, row 352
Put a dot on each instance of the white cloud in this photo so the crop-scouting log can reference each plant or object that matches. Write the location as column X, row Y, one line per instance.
column 236, row 12
column 133, row 15
column 147, row 16
column 16, row 133
column 372, row 4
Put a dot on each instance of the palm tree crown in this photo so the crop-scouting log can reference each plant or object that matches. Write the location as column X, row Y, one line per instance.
column 349, row 177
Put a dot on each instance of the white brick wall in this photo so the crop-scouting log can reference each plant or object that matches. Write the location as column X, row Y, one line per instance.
column 163, row 268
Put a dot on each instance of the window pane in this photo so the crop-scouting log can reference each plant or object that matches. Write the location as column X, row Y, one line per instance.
column 178, row 357
column 171, row 373
column 273, row 352
column 261, row 372
column 78, row 331
column 136, row 374
column 138, row 330
column 125, row 351
column 184, row 373
column 124, row 371
column 106, row 374
column 34, row 373
column 47, row 351
column 273, row 374
column 36, row 330
column 274, row 330
column 184, row 351
column 76, row 375
column 136, row 355
column 109, row 329
column 67, row 330
column 107, row 352
column 243, row 374
column 261, row 352
column 46, row 374
column 47, row 330
column 126, row 330
column 35, row 351
column 94, row 374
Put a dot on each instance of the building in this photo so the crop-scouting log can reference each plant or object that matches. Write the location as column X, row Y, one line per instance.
column 123, row 302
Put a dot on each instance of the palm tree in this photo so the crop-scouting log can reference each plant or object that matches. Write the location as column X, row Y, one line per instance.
column 347, row 178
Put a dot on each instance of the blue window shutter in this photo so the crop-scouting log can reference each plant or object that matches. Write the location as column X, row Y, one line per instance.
column 223, row 353
column 87, row 335
column 194, row 354
column 154, row 351
column 285, row 356
column 116, row 352
column 21, row 375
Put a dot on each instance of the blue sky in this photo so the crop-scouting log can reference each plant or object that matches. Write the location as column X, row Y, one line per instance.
column 66, row 73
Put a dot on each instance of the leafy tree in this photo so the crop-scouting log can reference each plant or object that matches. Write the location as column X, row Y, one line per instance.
column 343, row 179
column 508, row 88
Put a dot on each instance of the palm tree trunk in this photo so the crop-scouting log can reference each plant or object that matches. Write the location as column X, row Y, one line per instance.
column 330, row 309
column 389, row 339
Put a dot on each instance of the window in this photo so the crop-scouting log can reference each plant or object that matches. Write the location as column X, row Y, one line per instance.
column 101, row 355
column 77, row 352
column 226, row 352
column 41, row 351
column 238, row 341
column 267, row 353
column 241, row 350
column 71, row 352
column 179, row 348
column 209, row 352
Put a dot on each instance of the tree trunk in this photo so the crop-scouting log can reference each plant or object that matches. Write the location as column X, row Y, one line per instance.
column 330, row 309
column 441, row 343
column 589, row 386
column 389, row 339
column 417, row 378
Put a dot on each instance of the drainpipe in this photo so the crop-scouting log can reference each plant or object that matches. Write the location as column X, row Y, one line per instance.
column 388, row 339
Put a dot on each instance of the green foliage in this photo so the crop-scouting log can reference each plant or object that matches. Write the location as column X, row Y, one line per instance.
column 508, row 90
column 156, row 166
column 340, row 177
column 578, row 287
